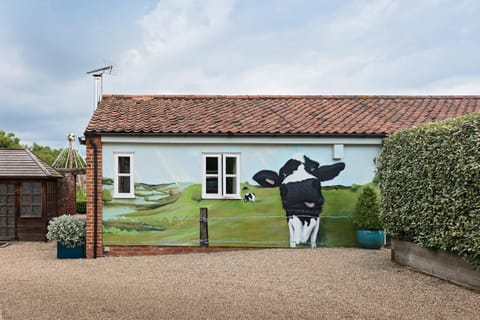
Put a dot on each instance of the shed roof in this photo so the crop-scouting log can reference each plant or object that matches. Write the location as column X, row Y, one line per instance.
column 272, row 115
column 22, row 163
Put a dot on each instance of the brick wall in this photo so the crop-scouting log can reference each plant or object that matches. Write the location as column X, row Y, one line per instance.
column 66, row 201
column 116, row 251
column 89, row 186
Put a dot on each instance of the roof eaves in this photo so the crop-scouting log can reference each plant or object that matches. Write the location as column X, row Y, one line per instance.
column 230, row 134
column 43, row 166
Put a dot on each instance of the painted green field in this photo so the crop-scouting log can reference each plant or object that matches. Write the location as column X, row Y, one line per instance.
column 231, row 222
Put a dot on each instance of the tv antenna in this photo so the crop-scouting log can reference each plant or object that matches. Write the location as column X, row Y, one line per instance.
column 98, row 82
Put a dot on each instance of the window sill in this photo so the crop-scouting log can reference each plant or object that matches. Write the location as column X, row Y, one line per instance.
column 221, row 198
column 121, row 196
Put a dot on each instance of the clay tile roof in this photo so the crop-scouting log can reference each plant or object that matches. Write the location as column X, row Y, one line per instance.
column 273, row 115
column 22, row 163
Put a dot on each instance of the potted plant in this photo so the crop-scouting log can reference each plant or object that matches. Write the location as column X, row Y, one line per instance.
column 69, row 231
column 370, row 234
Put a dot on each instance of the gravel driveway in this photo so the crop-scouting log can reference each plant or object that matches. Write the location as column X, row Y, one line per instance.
column 254, row 284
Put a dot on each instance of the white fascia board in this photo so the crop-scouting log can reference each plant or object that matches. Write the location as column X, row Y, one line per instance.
column 242, row 140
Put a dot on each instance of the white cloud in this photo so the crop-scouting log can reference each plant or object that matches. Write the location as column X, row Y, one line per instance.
column 362, row 17
column 243, row 47
column 12, row 69
column 384, row 47
column 178, row 24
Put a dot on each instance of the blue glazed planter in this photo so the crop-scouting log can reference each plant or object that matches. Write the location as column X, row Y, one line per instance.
column 64, row 252
column 370, row 239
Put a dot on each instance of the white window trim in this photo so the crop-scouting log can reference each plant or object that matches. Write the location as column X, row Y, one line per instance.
column 117, row 194
column 225, row 175
column 206, row 195
column 221, row 176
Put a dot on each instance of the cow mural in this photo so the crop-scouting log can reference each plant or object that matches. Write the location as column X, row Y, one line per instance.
column 300, row 190
column 249, row 197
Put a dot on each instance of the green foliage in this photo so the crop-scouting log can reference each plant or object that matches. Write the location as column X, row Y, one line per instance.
column 45, row 153
column 68, row 230
column 81, row 200
column 367, row 210
column 9, row 140
column 81, row 194
column 429, row 178
column 82, row 206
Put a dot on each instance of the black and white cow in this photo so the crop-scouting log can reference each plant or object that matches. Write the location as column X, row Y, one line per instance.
column 299, row 181
column 249, row 197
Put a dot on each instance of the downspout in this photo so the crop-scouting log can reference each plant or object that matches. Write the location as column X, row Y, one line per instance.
column 95, row 194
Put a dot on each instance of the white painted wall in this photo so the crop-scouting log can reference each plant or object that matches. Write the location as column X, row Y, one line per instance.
column 177, row 159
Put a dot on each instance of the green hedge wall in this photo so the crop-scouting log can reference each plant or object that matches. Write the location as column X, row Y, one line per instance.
column 429, row 177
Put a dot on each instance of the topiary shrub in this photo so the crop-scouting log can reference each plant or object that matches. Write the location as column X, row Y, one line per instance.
column 429, row 177
column 68, row 230
column 367, row 210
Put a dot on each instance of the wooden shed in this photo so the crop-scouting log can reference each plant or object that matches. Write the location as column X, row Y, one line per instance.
column 28, row 195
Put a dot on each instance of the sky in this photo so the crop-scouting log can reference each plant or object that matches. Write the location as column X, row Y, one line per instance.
column 354, row 47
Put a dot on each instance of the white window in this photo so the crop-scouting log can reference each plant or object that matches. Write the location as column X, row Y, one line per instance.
column 221, row 176
column 123, row 182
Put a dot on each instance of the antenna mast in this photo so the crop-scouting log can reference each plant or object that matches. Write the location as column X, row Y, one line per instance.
column 98, row 82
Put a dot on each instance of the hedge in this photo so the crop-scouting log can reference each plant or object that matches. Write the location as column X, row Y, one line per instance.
column 81, row 206
column 429, row 178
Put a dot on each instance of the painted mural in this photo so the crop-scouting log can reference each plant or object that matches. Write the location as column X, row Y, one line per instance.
column 284, row 208
column 299, row 182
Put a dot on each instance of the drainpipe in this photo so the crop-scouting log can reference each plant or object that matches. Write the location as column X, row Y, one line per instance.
column 95, row 194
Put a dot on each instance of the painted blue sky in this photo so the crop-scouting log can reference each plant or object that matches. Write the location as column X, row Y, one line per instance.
column 225, row 47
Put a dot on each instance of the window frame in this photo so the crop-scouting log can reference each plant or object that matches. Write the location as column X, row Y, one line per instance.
column 116, row 193
column 29, row 195
column 221, row 176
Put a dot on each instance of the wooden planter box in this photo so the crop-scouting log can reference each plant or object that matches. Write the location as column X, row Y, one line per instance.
column 437, row 263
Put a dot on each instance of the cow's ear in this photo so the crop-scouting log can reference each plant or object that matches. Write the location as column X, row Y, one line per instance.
column 266, row 178
column 325, row 173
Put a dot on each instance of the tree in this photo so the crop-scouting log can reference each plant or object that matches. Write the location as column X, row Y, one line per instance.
column 367, row 210
column 9, row 140
column 45, row 153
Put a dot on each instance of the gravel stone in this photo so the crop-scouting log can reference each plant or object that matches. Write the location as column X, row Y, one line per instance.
column 323, row 283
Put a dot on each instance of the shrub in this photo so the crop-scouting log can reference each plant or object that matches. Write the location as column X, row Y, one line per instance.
column 429, row 177
column 82, row 206
column 68, row 230
column 81, row 194
column 367, row 210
